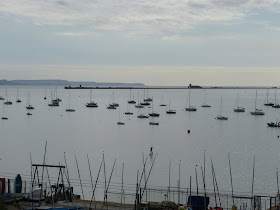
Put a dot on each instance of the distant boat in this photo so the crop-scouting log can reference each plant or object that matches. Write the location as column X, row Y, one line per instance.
column 2, row 98
column 91, row 104
column 170, row 111
column 45, row 94
column 257, row 111
column 161, row 102
column 139, row 106
column 205, row 104
column 148, row 99
column 154, row 123
column 29, row 113
column 55, row 102
column 119, row 122
column 220, row 116
column 275, row 105
column 69, row 109
column 267, row 102
column 128, row 113
column 7, row 102
column 113, row 105
column 238, row 108
column 4, row 118
column 18, row 100
column 28, row 102
column 143, row 116
column 153, row 114
column 190, row 108
column 131, row 101
column 145, row 103
column 274, row 125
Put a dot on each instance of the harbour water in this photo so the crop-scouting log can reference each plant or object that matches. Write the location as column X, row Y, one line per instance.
column 94, row 130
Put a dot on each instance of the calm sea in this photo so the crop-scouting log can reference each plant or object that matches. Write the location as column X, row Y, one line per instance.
column 93, row 131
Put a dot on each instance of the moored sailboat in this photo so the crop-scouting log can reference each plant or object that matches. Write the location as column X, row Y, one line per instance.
column 220, row 116
column 257, row 111
column 91, row 104
column 205, row 105
column 69, row 109
column 190, row 108
column 28, row 103
column 238, row 108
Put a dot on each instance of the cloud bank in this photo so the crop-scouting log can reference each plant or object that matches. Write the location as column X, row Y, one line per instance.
column 139, row 16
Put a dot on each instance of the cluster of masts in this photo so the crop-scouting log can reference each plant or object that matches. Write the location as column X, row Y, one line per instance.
column 147, row 102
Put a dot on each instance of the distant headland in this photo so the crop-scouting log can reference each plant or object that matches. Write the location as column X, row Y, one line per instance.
column 68, row 83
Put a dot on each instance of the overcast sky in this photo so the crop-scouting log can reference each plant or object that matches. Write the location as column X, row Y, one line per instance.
column 164, row 42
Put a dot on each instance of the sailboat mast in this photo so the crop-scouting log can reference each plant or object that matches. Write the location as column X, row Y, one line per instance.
column 221, row 106
column 189, row 98
column 256, row 100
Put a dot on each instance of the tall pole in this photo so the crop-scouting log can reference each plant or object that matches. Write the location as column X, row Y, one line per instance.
column 205, row 208
column 253, row 183
column 169, row 180
column 277, row 182
column 80, row 180
column 196, row 181
column 179, row 185
column 230, row 179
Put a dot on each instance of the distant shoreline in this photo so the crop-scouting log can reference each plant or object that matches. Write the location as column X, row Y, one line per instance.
column 171, row 87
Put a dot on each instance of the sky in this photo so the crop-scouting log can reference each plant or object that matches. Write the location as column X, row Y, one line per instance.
column 166, row 42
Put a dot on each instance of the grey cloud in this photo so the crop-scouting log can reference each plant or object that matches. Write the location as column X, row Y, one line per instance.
column 139, row 16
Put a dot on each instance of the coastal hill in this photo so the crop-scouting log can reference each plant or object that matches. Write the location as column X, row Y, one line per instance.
column 65, row 83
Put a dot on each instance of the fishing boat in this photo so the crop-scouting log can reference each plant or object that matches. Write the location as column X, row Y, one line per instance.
column 69, row 109
column 275, row 105
column 161, row 102
column 138, row 105
column 18, row 100
column 7, row 102
column 238, row 108
column 220, row 116
column 29, row 107
column 257, row 111
column 131, row 101
column 274, row 125
column 205, row 105
column 190, row 108
column 91, row 104
column 170, row 111
column 267, row 102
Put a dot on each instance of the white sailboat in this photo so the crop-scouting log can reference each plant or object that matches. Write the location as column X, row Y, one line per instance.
column 257, row 111
column 45, row 94
column 205, row 105
column 220, row 116
column 91, row 104
column 238, row 108
column 148, row 99
column 69, row 109
column 190, row 108
column 113, row 105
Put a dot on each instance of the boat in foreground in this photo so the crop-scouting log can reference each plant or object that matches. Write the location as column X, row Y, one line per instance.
column 274, row 125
